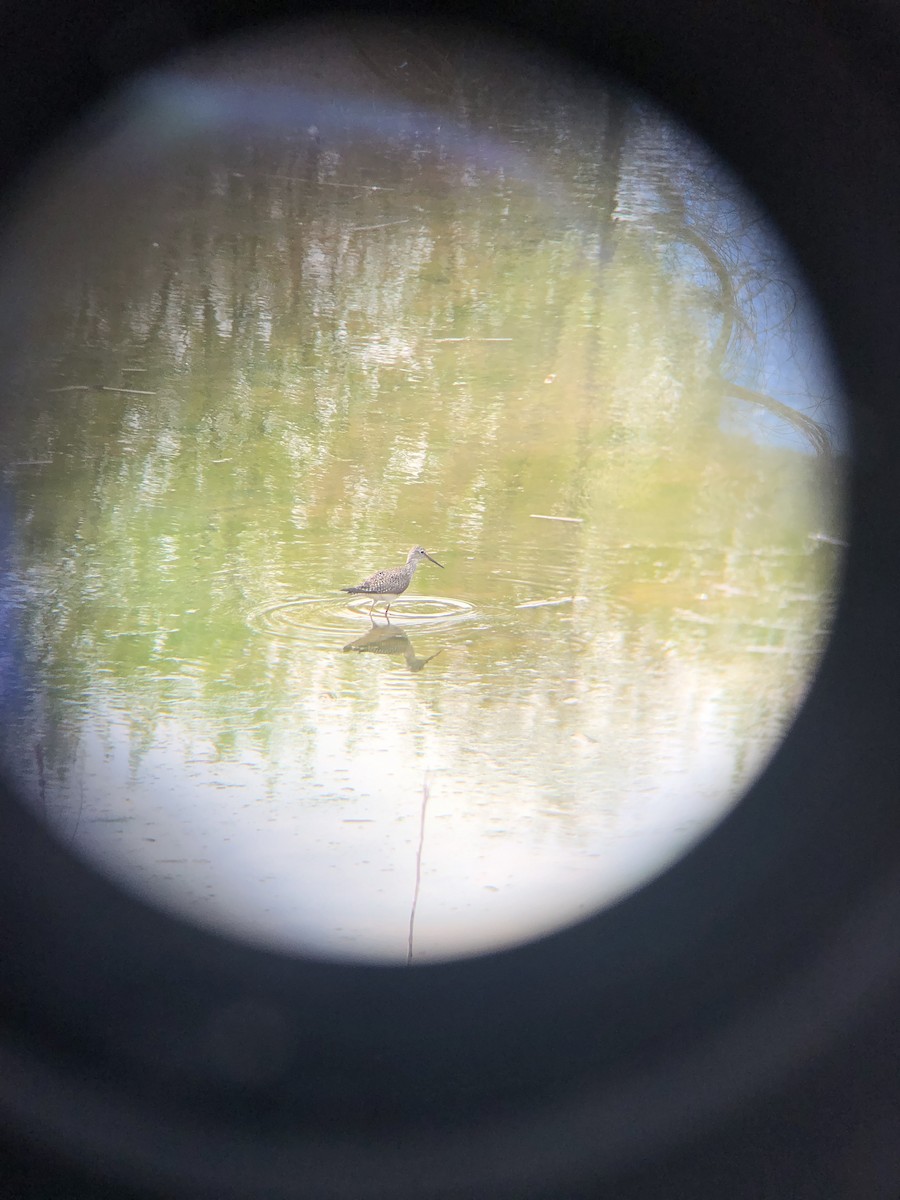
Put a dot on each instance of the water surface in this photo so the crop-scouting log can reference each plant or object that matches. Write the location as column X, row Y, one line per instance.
column 555, row 344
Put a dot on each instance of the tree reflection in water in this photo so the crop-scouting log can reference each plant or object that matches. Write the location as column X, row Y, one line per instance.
column 319, row 321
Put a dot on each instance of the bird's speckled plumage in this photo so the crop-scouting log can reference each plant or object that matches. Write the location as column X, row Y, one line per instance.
column 389, row 584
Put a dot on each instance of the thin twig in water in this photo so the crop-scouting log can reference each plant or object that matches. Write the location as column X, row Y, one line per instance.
column 42, row 786
column 361, row 187
column 74, row 833
column 415, row 901
column 544, row 517
column 383, row 225
column 551, row 603
column 128, row 391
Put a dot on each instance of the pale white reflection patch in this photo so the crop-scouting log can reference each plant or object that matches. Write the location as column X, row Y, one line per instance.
column 322, row 853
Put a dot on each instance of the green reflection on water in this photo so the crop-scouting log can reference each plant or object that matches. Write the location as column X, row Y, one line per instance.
column 294, row 357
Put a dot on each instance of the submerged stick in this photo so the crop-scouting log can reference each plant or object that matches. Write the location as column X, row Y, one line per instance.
column 544, row 517
column 128, row 391
column 415, row 900
column 551, row 603
column 383, row 225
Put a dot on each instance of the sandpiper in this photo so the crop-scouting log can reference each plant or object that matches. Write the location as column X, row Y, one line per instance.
column 389, row 584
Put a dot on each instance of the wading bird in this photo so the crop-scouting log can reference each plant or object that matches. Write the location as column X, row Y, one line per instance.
column 389, row 584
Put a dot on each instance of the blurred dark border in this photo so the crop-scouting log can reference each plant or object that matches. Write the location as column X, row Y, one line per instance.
column 730, row 1030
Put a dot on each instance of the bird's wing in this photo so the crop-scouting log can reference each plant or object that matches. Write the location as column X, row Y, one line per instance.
column 376, row 581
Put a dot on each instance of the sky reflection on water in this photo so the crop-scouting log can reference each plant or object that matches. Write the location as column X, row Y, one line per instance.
column 558, row 347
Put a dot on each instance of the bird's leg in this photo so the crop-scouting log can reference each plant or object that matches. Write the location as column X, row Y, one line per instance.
column 372, row 609
column 386, row 617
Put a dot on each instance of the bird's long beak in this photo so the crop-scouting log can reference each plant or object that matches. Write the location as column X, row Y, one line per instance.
column 434, row 560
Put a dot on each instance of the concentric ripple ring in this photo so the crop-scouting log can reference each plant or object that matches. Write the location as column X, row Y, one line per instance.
column 306, row 618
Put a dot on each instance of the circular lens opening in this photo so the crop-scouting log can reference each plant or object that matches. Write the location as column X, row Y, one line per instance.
column 299, row 312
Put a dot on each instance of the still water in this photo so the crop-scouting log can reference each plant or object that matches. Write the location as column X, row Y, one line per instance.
column 262, row 338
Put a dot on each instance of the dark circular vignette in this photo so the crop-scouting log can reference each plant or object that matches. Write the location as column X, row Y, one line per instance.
column 141, row 1057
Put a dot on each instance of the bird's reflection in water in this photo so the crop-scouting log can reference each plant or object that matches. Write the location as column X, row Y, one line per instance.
column 390, row 639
